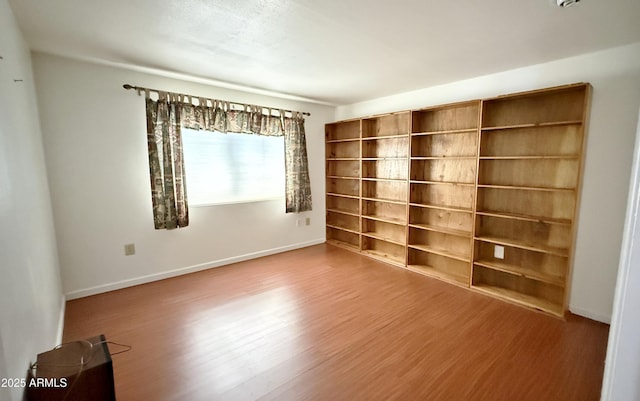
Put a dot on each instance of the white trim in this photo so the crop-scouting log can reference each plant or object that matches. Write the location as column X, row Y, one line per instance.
column 590, row 315
column 60, row 332
column 184, row 270
column 623, row 311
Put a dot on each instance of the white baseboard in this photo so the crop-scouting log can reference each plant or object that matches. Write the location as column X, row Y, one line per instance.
column 590, row 315
column 61, row 320
column 184, row 270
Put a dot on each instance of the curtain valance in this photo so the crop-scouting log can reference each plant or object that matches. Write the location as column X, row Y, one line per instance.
column 222, row 118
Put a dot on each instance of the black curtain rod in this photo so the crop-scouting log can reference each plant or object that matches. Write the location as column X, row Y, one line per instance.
column 142, row 89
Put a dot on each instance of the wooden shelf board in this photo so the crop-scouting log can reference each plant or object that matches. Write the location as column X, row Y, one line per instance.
column 343, row 244
column 444, row 230
column 377, row 236
column 343, row 177
column 342, row 159
column 461, row 184
column 440, row 251
column 343, row 195
column 526, row 188
column 343, row 140
column 533, row 125
column 445, row 207
column 384, row 179
column 373, row 138
column 444, row 132
column 578, row 86
column 385, row 219
column 520, row 298
column 532, row 157
column 521, row 271
column 343, row 211
column 564, row 252
column 439, row 274
column 349, row 230
column 441, row 207
column 394, row 201
column 537, row 219
column 375, row 159
column 384, row 257
column 443, row 157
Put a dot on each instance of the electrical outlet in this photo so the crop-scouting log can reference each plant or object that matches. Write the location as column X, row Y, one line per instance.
column 498, row 252
column 307, row 221
column 129, row 249
column 298, row 221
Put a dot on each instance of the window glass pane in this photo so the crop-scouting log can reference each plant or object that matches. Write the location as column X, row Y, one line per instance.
column 228, row 168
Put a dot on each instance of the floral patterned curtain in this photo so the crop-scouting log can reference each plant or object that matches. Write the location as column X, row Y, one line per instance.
column 168, row 192
column 298, row 185
column 169, row 113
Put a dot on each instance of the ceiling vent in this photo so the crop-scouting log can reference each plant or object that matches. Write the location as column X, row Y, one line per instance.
column 566, row 3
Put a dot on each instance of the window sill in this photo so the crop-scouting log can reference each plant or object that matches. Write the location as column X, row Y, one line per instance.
column 236, row 202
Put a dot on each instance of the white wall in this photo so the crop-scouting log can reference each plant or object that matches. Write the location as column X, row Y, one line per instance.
column 623, row 354
column 615, row 76
column 31, row 301
column 95, row 144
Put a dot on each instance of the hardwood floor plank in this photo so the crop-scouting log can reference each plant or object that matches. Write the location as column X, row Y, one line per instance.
column 323, row 323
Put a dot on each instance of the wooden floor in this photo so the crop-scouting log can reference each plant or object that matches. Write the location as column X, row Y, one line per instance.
column 322, row 323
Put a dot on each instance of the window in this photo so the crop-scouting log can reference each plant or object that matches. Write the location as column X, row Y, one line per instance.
column 232, row 168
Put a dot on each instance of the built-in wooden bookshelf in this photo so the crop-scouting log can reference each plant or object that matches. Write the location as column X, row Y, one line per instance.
column 385, row 150
column 444, row 146
column 530, row 162
column 342, row 150
column 483, row 194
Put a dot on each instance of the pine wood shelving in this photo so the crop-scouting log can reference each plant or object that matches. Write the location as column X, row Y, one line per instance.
column 343, row 154
column 529, row 171
column 444, row 143
column 438, row 190
column 385, row 146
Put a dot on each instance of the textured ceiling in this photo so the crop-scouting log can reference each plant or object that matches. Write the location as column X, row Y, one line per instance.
column 336, row 51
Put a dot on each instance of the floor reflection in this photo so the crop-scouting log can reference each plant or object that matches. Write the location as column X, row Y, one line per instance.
column 238, row 341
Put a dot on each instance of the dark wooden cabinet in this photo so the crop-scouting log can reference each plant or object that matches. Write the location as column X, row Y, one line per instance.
column 76, row 371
